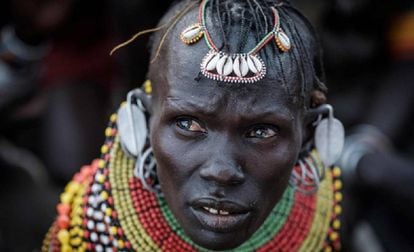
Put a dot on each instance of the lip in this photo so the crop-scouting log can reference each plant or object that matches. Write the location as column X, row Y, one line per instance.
column 221, row 216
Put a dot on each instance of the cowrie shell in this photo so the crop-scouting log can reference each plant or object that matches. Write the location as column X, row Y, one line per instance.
column 240, row 66
column 255, row 65
column 283, row 41
column 211, row 64
column 225, row 66
column 192, row 34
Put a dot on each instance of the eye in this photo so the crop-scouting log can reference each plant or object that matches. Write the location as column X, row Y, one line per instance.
column 190, row 124
column 262, row 132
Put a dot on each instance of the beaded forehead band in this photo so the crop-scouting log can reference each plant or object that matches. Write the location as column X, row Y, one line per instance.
column 233, row 67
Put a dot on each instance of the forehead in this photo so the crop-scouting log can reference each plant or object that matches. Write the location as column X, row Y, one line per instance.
column 176, row 74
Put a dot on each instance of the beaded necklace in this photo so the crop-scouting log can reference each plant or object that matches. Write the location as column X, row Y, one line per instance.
column 105, row 208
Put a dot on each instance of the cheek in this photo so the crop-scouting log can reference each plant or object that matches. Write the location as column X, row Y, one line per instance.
column 176, row 161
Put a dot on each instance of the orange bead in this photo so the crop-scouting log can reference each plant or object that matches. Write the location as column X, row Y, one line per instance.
column 63, row 221
column 63, row 209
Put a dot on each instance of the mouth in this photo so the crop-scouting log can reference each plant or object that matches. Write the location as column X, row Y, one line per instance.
column 220, row 216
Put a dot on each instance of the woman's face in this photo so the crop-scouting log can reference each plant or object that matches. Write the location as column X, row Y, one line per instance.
column 224, row 151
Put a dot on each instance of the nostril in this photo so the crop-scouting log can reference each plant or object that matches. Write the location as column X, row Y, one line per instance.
column 223, row 174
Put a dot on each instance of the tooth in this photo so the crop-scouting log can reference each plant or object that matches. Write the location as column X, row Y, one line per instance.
column 206, row 208
column 213, row 211
column 222, row 212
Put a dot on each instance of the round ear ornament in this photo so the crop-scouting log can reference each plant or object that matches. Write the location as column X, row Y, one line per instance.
column 132, row 124
column 329, row 137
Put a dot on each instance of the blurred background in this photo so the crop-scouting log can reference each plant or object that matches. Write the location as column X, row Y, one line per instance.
column 58, row 86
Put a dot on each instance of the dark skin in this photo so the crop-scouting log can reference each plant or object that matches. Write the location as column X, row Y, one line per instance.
column 224, row 151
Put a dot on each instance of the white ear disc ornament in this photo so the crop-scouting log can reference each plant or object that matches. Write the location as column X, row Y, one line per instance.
column 132, row 128
column 329, row 139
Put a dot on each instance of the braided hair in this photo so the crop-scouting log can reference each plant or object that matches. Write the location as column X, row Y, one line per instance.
column 244, row 18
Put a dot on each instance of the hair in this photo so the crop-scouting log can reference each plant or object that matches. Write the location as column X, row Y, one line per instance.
column 255, row 17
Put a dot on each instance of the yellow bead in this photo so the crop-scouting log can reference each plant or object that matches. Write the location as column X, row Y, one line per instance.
column 104, row 195
column 108, row 212
column 114, row 230
column 104, row 149
column 76, row 241
column 338, row 210
column 338, row 185
column 76, row 221
column 65, row 198
column 148, row 87
column 121, row 244
column 108, row 132
column 100, row 178
column 336, row 224
column 63, row 236
column 334, row 236
column 113, row 118
column 65, row 248
column 338, row 196
column 328, row 249
column 101, row 164
column 336, row 172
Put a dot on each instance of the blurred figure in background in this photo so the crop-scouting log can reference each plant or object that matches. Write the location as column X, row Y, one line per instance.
column 369, row 57
column 55, row 83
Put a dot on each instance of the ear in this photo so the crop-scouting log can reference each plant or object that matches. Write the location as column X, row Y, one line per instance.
column 309, row 118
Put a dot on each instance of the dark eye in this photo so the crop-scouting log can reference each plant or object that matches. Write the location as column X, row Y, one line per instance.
column 262, row 132
column 190, row 124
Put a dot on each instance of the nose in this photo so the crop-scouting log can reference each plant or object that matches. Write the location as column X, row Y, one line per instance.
column 223, row 169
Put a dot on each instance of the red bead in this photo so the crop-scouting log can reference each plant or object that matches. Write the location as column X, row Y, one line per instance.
column 63, row 221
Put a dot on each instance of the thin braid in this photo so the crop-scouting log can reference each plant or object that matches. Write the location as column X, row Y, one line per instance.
column 259, row 7
column 256, row 21
column 220, row 21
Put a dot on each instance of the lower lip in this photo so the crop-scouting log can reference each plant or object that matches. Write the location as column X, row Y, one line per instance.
column 220, row 223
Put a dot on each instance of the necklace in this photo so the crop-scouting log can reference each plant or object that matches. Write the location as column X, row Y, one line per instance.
column 233, row 67
column 106, row 208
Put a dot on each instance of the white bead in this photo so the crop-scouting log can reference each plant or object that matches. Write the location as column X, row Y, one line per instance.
column 96, row 188
column 89, row 212
column 90, row 225
column 99, row 248
column 98, row 215
column 100, row 227
column 104, row 239
column 94, row 237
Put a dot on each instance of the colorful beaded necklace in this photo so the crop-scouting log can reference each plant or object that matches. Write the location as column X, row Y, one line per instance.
column 106, row 208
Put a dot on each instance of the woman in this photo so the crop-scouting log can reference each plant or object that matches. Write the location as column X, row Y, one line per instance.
column 225, row 159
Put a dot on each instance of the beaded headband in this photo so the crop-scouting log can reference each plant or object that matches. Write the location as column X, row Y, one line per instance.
column 233, row 67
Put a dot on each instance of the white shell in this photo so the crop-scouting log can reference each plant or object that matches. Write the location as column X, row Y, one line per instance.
column 329, row 140
column 251, row 65
column 240, row 66
column 225, row 66
column 257, row 62
column 211, row 63
column 255, row 65
column 191, row 32
column 129, row 129
column 284, row 41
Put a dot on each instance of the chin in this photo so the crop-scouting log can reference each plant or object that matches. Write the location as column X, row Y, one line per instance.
column 218, row 233
column 218, row 241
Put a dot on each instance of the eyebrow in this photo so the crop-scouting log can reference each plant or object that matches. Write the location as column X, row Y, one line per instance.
column 176, row 103
column 214, row 105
